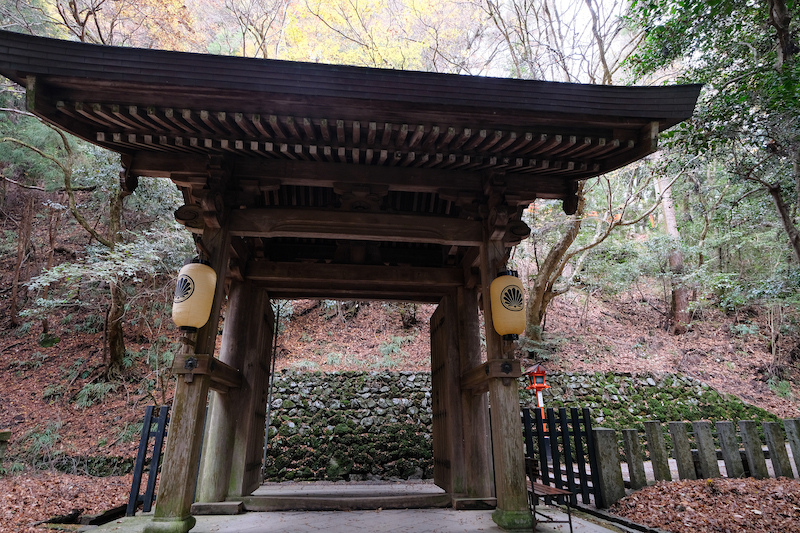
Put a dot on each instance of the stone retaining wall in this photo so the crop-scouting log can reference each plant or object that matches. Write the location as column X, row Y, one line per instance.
column 350, row 425
column 377, row 425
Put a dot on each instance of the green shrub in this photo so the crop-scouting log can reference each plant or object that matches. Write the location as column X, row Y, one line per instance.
column 36, row 361
column 39, row 443
column 53, row 392
column 24, row 329
column 92, row 393
column 780, row 387
column 91, row 324
column 129, row 433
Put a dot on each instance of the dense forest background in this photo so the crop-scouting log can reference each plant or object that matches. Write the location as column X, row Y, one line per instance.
column 710, row 219
column 692, row 255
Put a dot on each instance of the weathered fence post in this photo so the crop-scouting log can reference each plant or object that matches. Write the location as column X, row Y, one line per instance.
column 658, row 450
column 726, row 432
column 612, row 487
column 682, row 450
column 777, row 450
column 706, row 450
column 792, row 426
column 752, row 449
column 633, row 452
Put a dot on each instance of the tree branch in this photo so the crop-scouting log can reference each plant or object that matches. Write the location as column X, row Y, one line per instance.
column 18, row 184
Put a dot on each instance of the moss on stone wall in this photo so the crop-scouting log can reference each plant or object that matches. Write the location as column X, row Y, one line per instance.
column 377, row 425
column 621, row 401
column 350, row 425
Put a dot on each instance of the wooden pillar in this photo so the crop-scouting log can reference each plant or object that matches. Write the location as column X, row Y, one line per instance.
column 479, row 472
column 448, row 449
column 184, row 440
column 230, row 467
column 513, row 511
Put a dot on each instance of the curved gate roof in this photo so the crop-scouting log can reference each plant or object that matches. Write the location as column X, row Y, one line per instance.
column 319, row 155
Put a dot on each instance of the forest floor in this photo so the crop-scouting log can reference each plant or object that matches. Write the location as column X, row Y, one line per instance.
column 585, row 333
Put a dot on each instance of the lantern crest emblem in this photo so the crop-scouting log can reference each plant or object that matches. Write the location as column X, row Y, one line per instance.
column 194, row 295
column 184, row 288
column 512, row 298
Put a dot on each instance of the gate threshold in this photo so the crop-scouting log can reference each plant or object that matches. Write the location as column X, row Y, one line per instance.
column 346, row 496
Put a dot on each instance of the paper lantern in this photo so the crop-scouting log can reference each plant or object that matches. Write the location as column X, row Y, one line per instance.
column 194, row 295
column 508, row 305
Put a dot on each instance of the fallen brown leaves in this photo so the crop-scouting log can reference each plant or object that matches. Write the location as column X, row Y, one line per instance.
column 716, row 505
column 29, row 498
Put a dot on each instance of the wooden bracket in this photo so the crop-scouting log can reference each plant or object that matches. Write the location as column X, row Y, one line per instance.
column 213, row 209
column 570, row 204
column 223, row 376
column 477, row 379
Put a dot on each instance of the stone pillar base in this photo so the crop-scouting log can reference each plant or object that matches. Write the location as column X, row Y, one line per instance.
column 513, row 520
column 170, row 525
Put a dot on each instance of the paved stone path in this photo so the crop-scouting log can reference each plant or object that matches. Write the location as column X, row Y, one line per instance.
column 380, row 521
column 389, row 521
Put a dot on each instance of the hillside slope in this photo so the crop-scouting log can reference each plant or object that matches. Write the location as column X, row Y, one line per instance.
column 41, row 399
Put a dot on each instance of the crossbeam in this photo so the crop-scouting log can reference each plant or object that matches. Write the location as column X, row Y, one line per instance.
column 354, row 282
column 329, row 224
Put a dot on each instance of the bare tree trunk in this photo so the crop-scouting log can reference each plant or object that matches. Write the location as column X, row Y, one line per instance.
column 541, row 291
column 796, row 172
column 23, row 240
column 680, row 293
column 52, row 227
column 115, row 335
column 786, row 218
column 780, row 19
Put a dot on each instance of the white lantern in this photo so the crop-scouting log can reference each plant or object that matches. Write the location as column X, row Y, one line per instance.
column 508, row 305
column 194, row 295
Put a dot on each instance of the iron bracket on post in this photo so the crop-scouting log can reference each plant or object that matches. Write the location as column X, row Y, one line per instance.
column 223, row 376
column 477, row 379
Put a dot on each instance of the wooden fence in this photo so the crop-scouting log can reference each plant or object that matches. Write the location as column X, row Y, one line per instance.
column 594, row 463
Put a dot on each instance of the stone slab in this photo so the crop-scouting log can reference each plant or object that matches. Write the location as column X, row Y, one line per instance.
column 658, row 450
column 726, row 432
column 213, row 508
column 756, row 461
column 612, row 487
column 633, row 453
column 778, row 455
column 682, row 450
column 707, row 452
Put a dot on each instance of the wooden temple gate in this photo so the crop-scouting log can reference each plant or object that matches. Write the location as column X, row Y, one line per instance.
column 320, row 181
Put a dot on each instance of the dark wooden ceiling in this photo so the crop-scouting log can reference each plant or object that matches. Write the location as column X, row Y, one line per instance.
column 353, row 150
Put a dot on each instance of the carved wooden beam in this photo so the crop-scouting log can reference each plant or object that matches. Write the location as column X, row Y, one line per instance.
column 355, row 294
column 188, row 169
column 329, row 224
column 645, row 145
column 356, row 276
